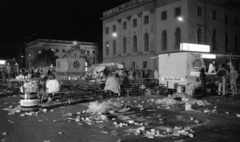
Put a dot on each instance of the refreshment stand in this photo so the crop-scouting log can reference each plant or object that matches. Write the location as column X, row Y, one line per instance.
column 182, row 68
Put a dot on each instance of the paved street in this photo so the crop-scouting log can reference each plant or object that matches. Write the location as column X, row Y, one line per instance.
column 215, row 122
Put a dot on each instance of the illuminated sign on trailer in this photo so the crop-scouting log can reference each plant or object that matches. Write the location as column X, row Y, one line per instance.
column 194, row 47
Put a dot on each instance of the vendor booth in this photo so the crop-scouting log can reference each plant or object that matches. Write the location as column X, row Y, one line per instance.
column 182, row 68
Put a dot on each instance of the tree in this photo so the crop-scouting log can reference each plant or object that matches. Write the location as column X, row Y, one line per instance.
column 45, row 58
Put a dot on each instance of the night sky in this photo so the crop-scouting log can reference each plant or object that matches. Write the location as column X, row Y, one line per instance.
column 22, row 21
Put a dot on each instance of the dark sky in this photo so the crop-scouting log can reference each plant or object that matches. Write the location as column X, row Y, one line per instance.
column 22, row 21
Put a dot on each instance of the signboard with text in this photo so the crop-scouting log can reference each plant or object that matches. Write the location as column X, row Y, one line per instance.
column 194, row 47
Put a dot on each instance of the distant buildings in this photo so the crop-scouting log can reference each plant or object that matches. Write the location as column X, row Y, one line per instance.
column 59, row 47
column 145, row 28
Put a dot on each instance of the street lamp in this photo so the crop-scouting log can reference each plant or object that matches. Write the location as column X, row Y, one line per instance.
column 181, row 19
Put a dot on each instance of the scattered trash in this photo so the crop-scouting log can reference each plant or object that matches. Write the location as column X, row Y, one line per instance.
column 4, row 133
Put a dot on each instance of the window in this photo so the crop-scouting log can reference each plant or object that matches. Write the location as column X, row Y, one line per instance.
column 177, row 11
column 146, row 42
column 144, row 64
column 107, row 30
column 124, row 25
column 177, row 38
column 134, row 49
column 114, row 47
column 93, row 52
column 123, row 63
column 57, row 50
column 199, row 12
column 88, row 52
column 134, row 22
column 214, row 42
column 146, row 20
column 164, row 40
column 226, row 19
column 63, row 50
column 214, row 15
column 107, row 48
column 124, row 45
column 164, row 15
column 236, row 21
column 199, row 36
column 226, row 42
column 236, row 43
column 114, row 28
column 133, row 65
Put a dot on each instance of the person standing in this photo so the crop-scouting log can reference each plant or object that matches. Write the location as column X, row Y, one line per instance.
column 212, row 68
column 125, row 83
column 112, row 85
column 222, row 74
column 203, row 80
column 233, row 75
column 52, row 86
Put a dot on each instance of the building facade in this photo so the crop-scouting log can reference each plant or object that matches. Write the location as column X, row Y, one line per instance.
column 59, row 47
column 140, row 29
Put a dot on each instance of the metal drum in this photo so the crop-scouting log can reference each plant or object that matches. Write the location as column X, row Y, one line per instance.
column 29, row 102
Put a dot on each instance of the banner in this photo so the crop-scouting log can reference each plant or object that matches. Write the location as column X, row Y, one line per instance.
column 70, row 65
column 76, row 64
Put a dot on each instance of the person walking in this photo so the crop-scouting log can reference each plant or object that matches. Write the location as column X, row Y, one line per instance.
column 233, row 75
column 222, row 74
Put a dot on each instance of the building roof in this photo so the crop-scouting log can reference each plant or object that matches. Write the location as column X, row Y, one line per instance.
column 60, row 42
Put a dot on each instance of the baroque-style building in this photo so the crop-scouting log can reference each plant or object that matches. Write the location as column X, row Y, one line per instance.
column 140, row 29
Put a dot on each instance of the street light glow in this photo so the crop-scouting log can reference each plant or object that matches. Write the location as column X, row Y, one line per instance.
column 180, row 18
column 114, row 34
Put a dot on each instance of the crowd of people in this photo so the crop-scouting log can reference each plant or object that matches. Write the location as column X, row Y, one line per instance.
column 225, row 76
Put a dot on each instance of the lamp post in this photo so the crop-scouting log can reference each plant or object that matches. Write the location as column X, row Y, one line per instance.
column 182, row 19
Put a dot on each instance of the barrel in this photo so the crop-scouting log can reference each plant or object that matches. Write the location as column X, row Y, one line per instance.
column 29, row 101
